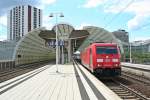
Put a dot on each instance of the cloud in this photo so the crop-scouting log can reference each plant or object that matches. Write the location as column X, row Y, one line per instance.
column 47, row 22
column 139, row 8
column 141, row 14
column 137, row 22
column 3, row 20
column 140, row 38
column 93, row 3
column 112, row 8
column 3, row 37
column 47, row 2
column 8, row 4
column 83, row 24
column 43, row 3
column 3, row 27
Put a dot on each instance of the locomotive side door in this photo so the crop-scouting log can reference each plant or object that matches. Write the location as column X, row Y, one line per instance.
column 91, row 61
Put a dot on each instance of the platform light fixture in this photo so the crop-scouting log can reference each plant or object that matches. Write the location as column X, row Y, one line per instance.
column 56, row 16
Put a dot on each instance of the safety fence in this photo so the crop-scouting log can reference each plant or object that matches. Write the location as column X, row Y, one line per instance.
column 4, row 65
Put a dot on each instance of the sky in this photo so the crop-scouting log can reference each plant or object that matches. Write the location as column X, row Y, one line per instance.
column 131, row 15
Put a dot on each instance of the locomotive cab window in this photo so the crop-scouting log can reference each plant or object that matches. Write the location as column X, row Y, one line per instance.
column 106, row 50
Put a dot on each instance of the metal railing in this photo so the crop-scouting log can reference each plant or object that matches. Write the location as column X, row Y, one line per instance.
column 138, row 60
column 4, row 65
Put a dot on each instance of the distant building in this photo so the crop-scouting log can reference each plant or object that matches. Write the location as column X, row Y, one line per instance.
column 21, row 20
column 122, row 35
column 141, row 46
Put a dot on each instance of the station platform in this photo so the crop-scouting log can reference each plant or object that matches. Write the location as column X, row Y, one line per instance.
column 70, row 83
column 140, row 66
column 138, row 69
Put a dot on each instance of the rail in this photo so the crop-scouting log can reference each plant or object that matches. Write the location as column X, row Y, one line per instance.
column 137, row 69
column 133, row 92
column 145, row 68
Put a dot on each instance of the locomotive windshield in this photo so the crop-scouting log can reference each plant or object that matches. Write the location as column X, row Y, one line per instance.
column 106, row 50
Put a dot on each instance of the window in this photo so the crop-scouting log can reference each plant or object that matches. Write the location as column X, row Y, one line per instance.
column 106, row 50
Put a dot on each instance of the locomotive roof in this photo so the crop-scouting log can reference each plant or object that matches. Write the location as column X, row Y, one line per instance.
column 101, row 44
column 105, row 44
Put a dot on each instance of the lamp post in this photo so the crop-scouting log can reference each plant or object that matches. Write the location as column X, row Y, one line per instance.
column 130, row 53
column 130, row 45
column 56, row 16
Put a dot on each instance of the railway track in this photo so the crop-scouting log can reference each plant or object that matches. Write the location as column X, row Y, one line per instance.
column 19, row 71
column 139, row 83
column 142, row 79
column 126, row 86
column 121, row 86
column 123, row 91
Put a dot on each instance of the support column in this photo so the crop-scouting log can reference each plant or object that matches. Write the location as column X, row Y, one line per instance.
column 69, row 50
column 59, row 54
column 62, row 55
column 73, row 46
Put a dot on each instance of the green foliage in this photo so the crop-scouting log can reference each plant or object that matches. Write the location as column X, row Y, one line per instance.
column 137, row 57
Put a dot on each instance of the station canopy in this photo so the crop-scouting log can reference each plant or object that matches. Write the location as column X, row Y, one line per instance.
column 97, row 34
column 65, row 31
column 84, row 37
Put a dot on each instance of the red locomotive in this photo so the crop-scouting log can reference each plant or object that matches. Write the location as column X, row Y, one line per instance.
column 102, row 59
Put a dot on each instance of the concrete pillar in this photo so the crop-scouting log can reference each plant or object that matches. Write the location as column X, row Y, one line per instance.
column 73, row 46
column 59, row 55
column 0, row 66
column 62, row 55
column 69, row 50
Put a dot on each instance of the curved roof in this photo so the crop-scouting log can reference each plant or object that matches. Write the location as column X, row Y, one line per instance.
column 98, row 34
column 89, row 34
column 7, row 49
column 32, row 48
column 47, row 34
column 75, row 34
column 64, row 30
column 33, row 44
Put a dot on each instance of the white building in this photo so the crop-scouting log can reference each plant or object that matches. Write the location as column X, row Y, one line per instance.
column 141, row 46
column 21, row 20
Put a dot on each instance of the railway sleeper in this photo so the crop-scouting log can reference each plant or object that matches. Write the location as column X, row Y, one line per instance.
column 121, row 92
column 127, row 94
column 129, row 97
column 115, row 88
column 132, row 99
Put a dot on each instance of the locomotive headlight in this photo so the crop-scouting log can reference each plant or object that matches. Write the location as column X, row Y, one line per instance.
column 99, row 60
column 116, row 65
column 99, row 65
column 115, row 60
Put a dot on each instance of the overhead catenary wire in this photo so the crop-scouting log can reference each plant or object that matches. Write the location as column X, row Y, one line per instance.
column 109, row 6
column 142, row 26
column 0, row 27
column 115, row 17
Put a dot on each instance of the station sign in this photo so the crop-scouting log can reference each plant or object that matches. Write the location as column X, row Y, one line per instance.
column 53, row 43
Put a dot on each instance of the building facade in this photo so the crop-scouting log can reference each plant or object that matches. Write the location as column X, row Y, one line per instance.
column 122, row 35
column 21, row 20
column 141, row 46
